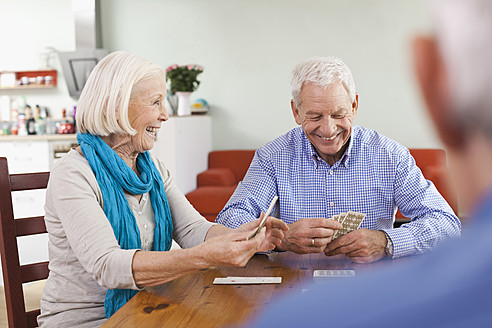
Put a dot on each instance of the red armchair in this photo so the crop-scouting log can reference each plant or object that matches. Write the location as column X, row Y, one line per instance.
column 432, row 163
column 227, row 167
column 216, row 185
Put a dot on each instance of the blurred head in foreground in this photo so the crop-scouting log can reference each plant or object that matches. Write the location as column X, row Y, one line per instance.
column 454, row 69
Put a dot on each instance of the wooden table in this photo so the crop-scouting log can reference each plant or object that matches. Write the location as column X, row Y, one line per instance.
column 194, row 301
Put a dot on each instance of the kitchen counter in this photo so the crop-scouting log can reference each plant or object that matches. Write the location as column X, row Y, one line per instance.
column 35, row 137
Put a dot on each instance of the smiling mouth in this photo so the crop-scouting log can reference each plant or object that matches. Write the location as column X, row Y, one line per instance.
column 330, row 138
column 152, row 131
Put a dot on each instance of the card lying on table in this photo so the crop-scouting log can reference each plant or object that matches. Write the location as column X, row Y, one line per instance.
column 340, row 273
column 247, row 280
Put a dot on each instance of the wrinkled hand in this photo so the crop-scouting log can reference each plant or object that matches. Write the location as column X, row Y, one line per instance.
column 274, row 231
column 232, row 249
column 361, row 246
column 299, row 238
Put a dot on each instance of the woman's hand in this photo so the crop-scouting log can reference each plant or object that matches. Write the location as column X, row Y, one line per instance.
column 222, row 246
column 233, row 248
column 274, row 231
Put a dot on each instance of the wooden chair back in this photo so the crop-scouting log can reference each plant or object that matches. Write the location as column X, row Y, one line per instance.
column 14, row 274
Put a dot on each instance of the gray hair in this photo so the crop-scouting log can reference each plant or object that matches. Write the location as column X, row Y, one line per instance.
column 464, row 34
column 103, row 105
column 322, row 72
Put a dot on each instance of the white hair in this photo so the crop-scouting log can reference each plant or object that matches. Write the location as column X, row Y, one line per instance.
column 464, row 34
column 103, row 105
column 322, row 72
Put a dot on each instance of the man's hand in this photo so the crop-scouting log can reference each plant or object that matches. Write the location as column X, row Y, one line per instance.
column 309, row 235
column 361, row 246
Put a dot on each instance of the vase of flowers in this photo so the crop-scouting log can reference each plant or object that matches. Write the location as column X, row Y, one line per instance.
column 183, row 81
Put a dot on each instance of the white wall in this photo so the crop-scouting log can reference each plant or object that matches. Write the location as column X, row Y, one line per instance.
column 27, row 29
column 248, row 49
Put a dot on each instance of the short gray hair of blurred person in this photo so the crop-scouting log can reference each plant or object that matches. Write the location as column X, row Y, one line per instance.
column 102, row 108
column 322, row 72
column 463, row 31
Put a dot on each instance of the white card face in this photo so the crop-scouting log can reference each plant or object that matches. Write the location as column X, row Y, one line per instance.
column 247, row 280
column 263, row 221
column 322, row 274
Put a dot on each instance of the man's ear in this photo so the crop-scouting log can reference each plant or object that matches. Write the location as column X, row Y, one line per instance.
column 355, row 105
column 432, row 77
column 295, row 112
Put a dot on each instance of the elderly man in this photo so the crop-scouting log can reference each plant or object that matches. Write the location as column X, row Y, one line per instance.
column 328, row 166
column 452, row 286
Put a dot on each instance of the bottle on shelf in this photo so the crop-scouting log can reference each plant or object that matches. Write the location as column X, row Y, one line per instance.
column 21, row 124
column 30, row 123
column 66, row 125
column 40, row 121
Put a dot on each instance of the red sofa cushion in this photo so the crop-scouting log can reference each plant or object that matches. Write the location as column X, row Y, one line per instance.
column 220, row 176
column 236, row 160
column 210, row 200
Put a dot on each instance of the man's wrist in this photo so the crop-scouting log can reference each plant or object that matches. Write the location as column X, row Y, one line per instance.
column 389, row 245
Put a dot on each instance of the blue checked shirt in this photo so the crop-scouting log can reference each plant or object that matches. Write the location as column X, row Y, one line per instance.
column 376, row 175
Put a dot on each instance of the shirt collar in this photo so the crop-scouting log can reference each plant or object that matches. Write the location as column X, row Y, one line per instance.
column 311, row 151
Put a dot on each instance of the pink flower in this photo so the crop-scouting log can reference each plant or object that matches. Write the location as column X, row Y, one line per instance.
column 200, row 68
column 170, row 68
column 190, row 67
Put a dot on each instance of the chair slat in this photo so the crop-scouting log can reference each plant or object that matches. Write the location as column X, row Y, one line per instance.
column 34, row 271
column 32, row 318
column 29, row 181
column 30, row 226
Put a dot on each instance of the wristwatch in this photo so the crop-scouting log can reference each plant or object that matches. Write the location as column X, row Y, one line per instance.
column 389, row 245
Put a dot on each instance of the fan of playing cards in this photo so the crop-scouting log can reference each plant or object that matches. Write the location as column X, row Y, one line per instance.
column 350, row 221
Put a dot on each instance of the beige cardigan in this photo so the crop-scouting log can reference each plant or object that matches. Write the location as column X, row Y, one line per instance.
column 85, row 258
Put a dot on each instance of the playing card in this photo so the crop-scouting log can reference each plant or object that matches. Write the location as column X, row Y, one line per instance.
column 263, row 221
column 350, row 222
column 247, row 280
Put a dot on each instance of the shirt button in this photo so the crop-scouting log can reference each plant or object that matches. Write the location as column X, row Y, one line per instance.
column 139, row 212
column 145, row 227
column 331, row 172
column 332, row 204
column 144, row 198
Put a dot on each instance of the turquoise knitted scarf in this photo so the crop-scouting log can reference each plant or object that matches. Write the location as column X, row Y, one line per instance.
column 113, row 176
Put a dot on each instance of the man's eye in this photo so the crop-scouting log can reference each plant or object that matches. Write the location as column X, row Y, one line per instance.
column 315, row 118
column 337, row 116
column 157, row 102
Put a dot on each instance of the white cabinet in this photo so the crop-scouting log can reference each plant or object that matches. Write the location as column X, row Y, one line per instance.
column 26, row 156
column 183, row 144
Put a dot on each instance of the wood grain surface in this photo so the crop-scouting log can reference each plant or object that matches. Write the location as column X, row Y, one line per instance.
column 194, row 301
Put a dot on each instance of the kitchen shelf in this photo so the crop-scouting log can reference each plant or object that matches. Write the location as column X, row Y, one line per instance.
column 11, row 79
column 23, row 87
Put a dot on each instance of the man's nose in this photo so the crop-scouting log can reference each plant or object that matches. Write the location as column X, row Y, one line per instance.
column 328, row 125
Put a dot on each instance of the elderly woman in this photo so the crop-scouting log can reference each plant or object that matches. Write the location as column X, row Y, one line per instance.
column 112, row 209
